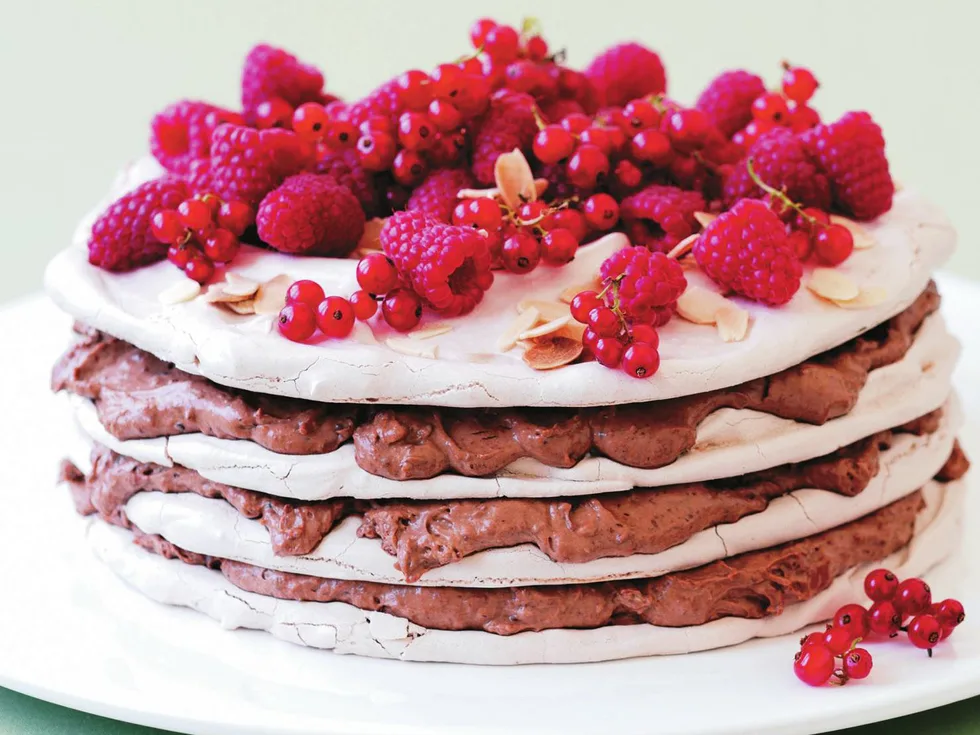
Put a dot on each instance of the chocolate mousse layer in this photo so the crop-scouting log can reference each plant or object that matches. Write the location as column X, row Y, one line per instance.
column 752, row 585
column 138, row 396
column 424, row 535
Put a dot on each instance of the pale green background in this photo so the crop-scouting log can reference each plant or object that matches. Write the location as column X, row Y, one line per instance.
column 80, row 81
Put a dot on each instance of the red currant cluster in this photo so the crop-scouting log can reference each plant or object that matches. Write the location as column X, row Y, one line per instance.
column 905, row 606
column 612, row 340
column 202, row 231
column 787, row 108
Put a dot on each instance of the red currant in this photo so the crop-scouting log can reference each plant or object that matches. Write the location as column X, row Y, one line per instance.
column 167, row 226
column 604, row 321
column 364, row 305
column 408, row 168
column 553, row 143
column 378, row 124
column 640, row 114
column 857, row 664
column 925, row 631
column 444, row 116
column 800, row 243
column 884, row 619
column 803, row 118
column 501, row 43
column 645, row 334
column 608, row 351
column 414, row 89
column 587, row 166
column 880, row 585
column 297, row 322
column 799, row 84
column 854, row 619
column 628, row 175
column 815, row 638
column 601, row 211
column 950, row 613
column 811, row 220
column 484, row 214
column 568, row 219
column 376, row 273
column 688, row 129
column 194, row 214
column 913, row 597
column 181, row 254
column 814, row 665
column 221, row 245
column 235, row 217
column 770, row 107
column 532, row 212
column 415, row 131
column 447, row 79
column 838, row 640
column 600, row 138
column 335, row 317
column 590, row 339
column 473, row 96
column 558, row 247
column 536, row 48
column 521, row 253
column 376, row 150
column 402, row 309
column 651, row 146
column 305, row 292
column 576, row 122
column 833, row 245
column 199, row 268
column 479, row 31
column 583, row 303
column 275, row 112
column 310, row 121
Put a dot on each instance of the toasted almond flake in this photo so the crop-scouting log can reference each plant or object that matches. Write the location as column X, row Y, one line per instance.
column 413, row 347
column 683, row 246
column 732, row 322
column 431, row 331
column 574, row 290
column 867, row 298
column 898, row 185
column 242, row 308
column 540, row 186
column 216, row 294
column 699, row 305
column 832, row 285
column 573, row 330
column 547, row 328
column 236, row 285
column 705, row 218
column 371, row 239
column 862, row 238
column 548, row 353
column 547, row 309
column 271, row 296
column 512, row 174
column 524, row 321
column 183, row 290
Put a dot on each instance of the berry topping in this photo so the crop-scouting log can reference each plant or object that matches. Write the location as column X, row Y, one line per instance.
column 626, row 72
column 799, row 84
column 601, row 211
column 305, row 292
column 727, row 100
column 857, row 664
column 838, row 640
column 880, row 585
column 335, row 317
column 658, row 217
column 641, row 360
column 297, row 322
column 436, row 195
column 181, row 133
column 884, row 619
column 950, row 613
column 645, row 282
column 925, row 631
column 376, row 273
column 364, row 305
column 814, row 665
column 854, row 619
column 913, row 597
column 402, row 309
column 509, row 124
column 273, row 73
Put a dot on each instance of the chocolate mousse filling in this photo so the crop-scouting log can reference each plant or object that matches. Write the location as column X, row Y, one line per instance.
column 139, row 396
column 424, row 535
column 752, row 585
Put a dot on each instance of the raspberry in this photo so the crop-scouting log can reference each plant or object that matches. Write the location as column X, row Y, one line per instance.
column 555, row 110
column 625, row 72
column 747, row 250
column 270, row 72
column 247, row 164
column 646, row 282
column 447, row 265
column 508, row 124
column 181, row 133
column 728, row 99
column 780, row 159
column 382, row 102
column 122, row 237
column 852, row 153
column 436, row 195
column 312, row 215
column 345, row 166
column 661, row 216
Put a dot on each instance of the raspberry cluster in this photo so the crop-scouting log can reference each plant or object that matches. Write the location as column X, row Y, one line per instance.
column 896, row 607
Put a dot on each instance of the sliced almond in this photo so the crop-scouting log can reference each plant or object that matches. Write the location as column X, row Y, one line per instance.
column 699, row 305
column 413, row 347
column 216, row 294
column 681, row 248
column 866, row 299
column 242, row 308
column 512, row 174
column 547, row 309
column 832, row 285
column 371, row 239
column 431, row 331
column 862, row 238
column 236, row 285
column 271, row 295
column 574, row 290
column 548, row 353
column 524, row 321
column 732, row 322
column 540, row 186
column 547, row 328
column 705, row 218
column 183, row 290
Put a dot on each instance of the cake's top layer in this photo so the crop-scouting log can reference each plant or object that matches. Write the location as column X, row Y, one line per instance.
column 245, row 351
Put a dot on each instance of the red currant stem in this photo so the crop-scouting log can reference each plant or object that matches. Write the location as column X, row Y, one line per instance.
column 776, row 193
column 466, row 57
column 712, row 168
column 786, row 65
column 530, row 26
column 538, row 117
column 929, row 651
column 544, row 213
column 657, row 100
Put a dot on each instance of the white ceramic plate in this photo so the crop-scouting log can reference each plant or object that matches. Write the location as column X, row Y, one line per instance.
column 71, row 633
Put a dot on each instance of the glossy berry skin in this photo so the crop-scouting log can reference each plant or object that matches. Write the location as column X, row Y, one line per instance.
column 536, row 48
column 802, row 118
column 482, row 213
column 402, row 309
column 857, row 664
column 770, row 108
column 950, row 613
column 576, row 122
column 814, row 665
column 414, row 89
column 880, row 585
column 305, row 292
column 335, row 317
column 651, row 146
column 604, row 322
column 833, row 245
column 641, row 360
column 628, row 175
column 688, row 129
column 310, row 121
column 838, row 640
column 854, row 619
column 925, row 631
column 167, row 226
column 194, row 214
column 884, row 619
column 376, row 274
column 221, row 246
column 364, row 305
column 501, row 43
column 180, row 255
column 376, row 150
column 272, row 113
column 645, row 334
column 601, row 211
column 521, row 253
column 913, row 597
column 799, row 84
column 583, row 303
column 553, row 143
column 588, row 166
column 444, row 116
column 800, row 243
column 531, row 212
column 479, row 31
column 235, row 217
column 640, row 114
column 416, row 131
column 815, row 638
column 558, row 247
column 296, row 322
column 199, row 268
column 608, row 351
column 341, row 134
column 408, row 168
column 569, row 219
